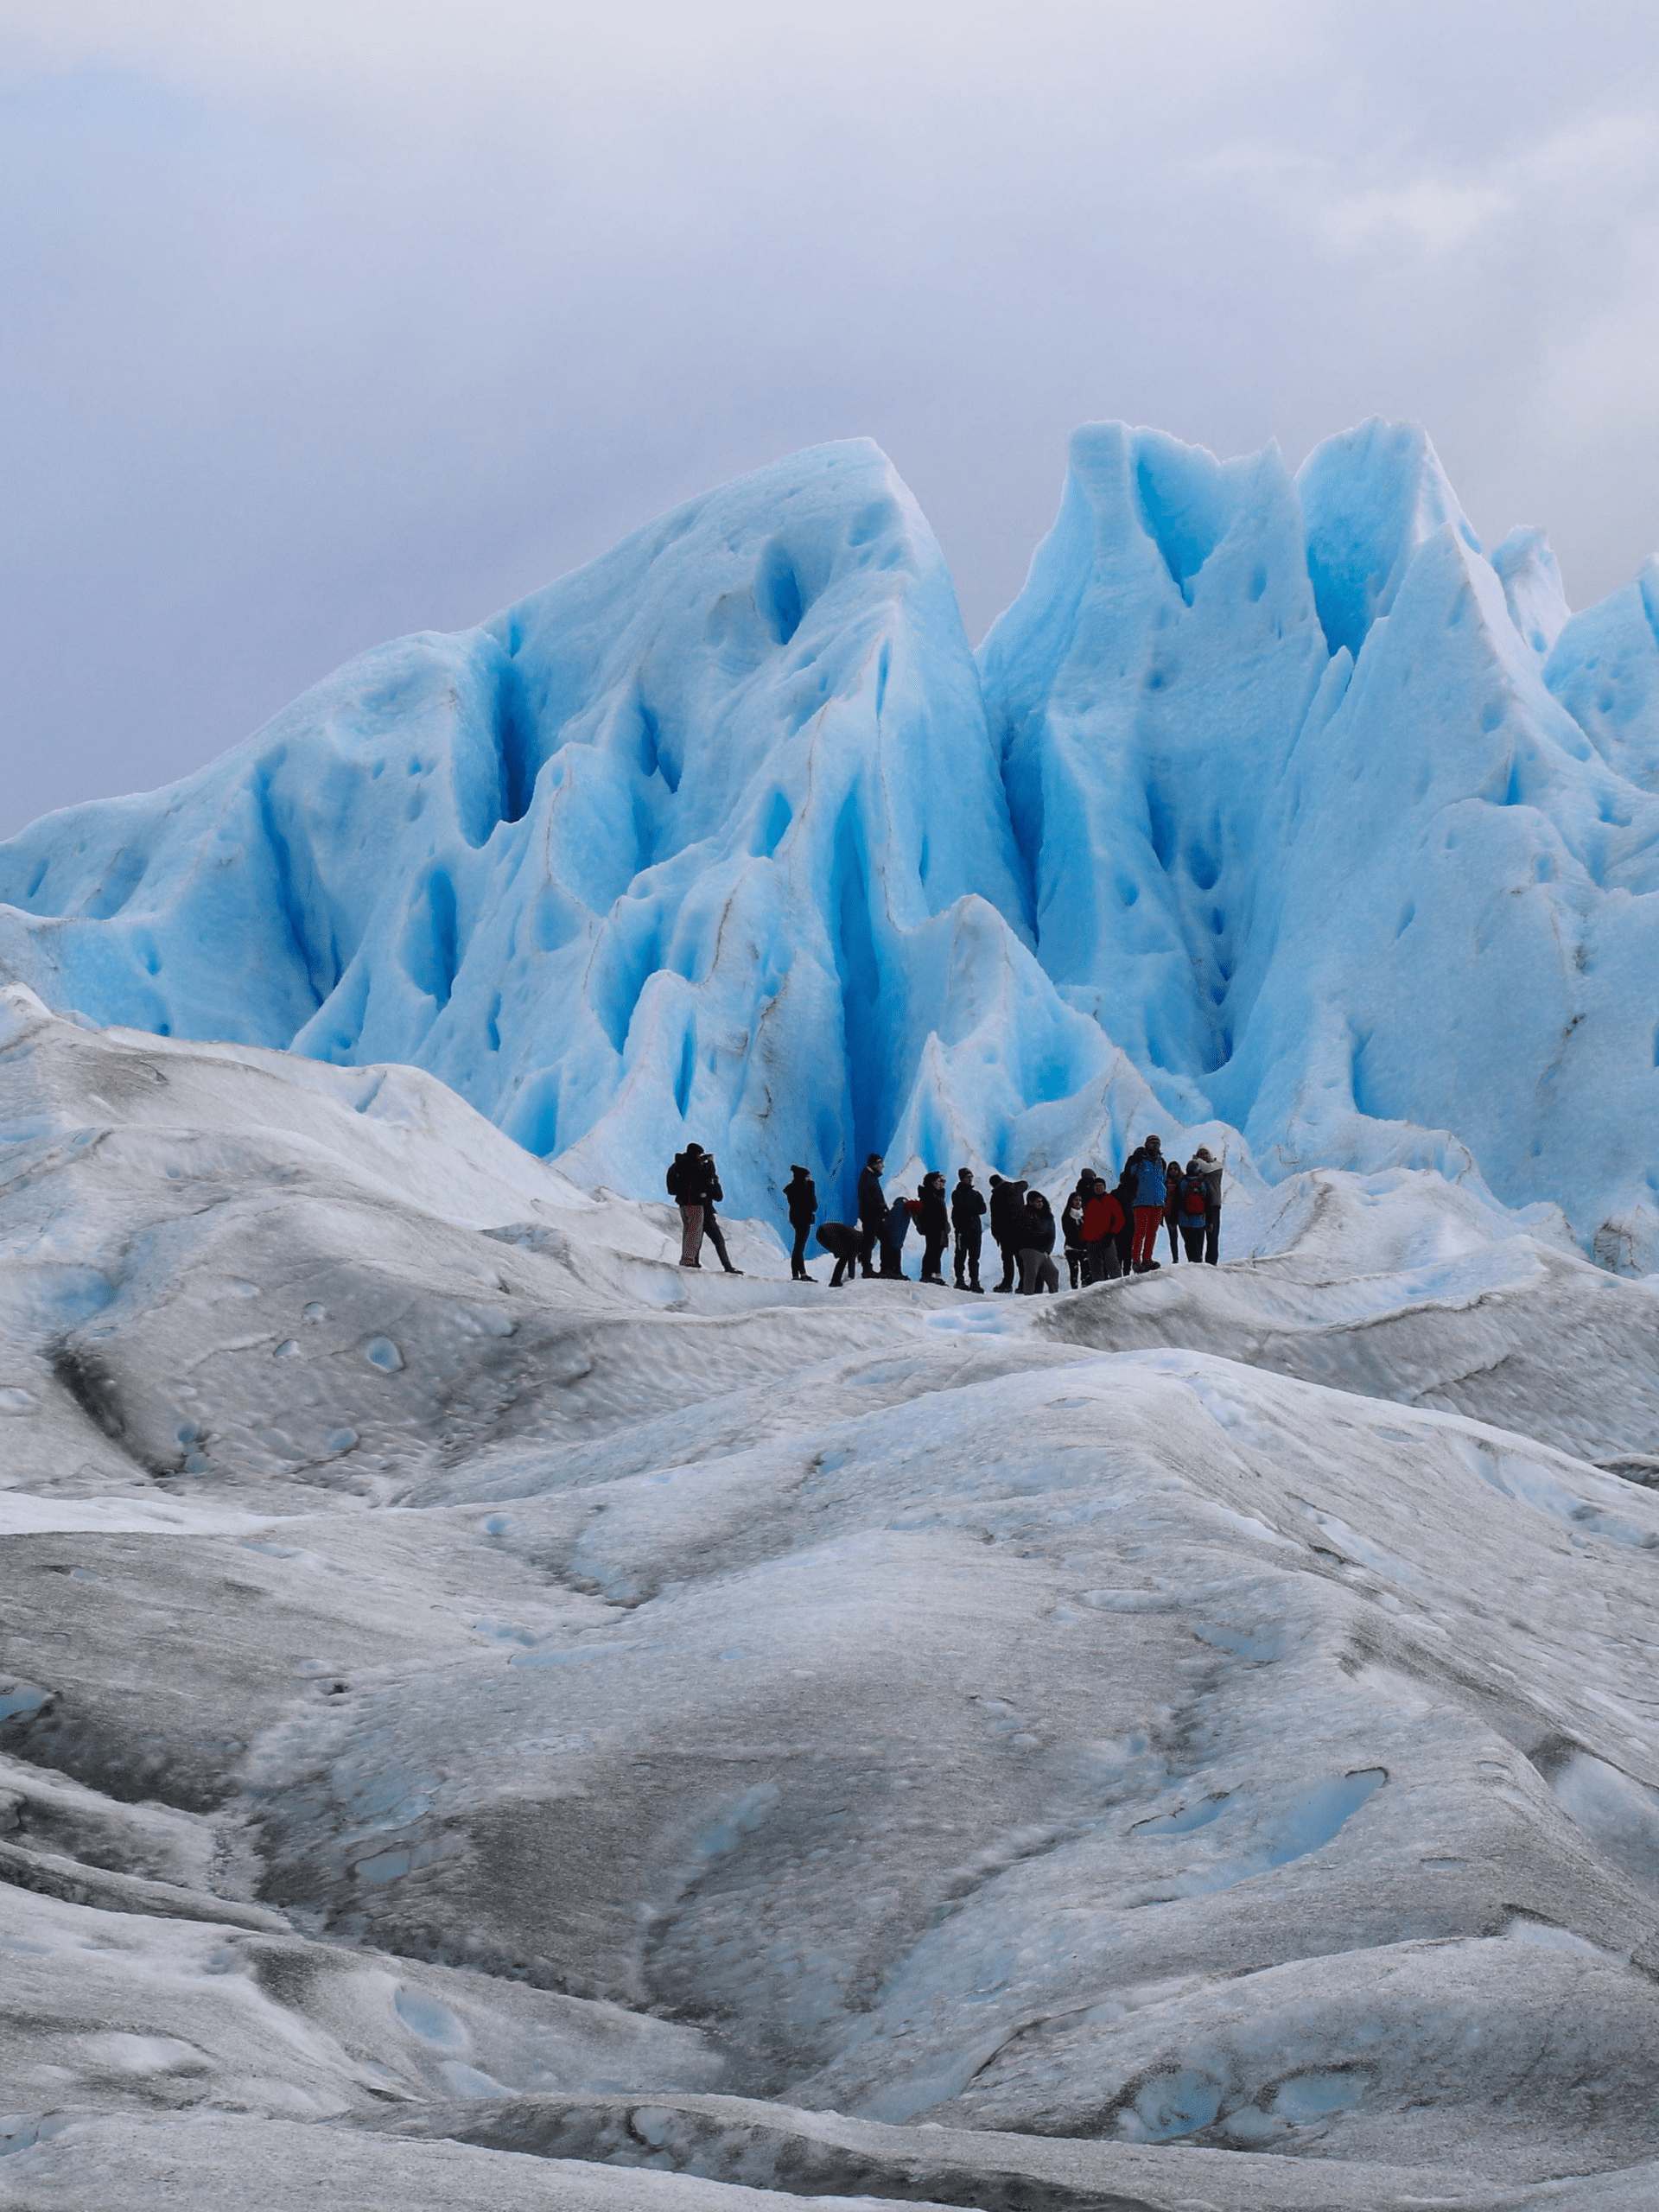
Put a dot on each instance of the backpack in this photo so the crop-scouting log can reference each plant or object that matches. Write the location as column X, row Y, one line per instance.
column 1195, row 1201
column 676, row 1175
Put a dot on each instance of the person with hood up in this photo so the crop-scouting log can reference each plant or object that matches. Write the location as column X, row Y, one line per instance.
column 801, row 1196
column 967, row 1219
column 935, row 1225
column 844, row 1243
column 871, row 1210
column 1201, row 1207
column 1071, row 1228
column 1149, row 1179
column 894, row 1231
column 1036, row 1269
column 688, row 1180
column 1007, row 1221
column 710, row 1220
column 1103, row 1222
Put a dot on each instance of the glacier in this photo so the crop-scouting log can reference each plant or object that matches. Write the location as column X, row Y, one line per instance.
column 488, row 1716
column 1272, row 811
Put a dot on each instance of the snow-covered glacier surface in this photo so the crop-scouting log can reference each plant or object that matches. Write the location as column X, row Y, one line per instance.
column 487, row 1718
column 1272, row 808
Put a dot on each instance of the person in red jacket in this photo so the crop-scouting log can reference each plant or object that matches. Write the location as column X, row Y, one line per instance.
column 1103, row 1225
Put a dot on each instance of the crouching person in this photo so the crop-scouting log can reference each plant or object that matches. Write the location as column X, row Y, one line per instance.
column 844, row 1245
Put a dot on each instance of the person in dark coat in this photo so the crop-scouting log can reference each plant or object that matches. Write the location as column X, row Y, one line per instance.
column 1175, row 1193
column 844, row 1243
column 1071, row 1229
column 711, row 1190
column 1103, row 1225
column 800, row 1194
column 936, row 1225
column 1036, row 1269
column 871, row 1210
column 967, row 1219
column 688, row 1182
column 1125, row 1197
column 1007, row 1219
column 894, row 1231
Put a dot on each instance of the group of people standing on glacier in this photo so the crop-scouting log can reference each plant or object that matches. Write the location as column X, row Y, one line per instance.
column 1101, row 1230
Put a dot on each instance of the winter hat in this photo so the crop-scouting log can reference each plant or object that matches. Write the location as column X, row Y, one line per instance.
column 1203, row 1152
column 966, row 1175
column 995, row 1179
column 797, row 1171
column 876, row 1160
column 695, row 1151
column 1153, row 1144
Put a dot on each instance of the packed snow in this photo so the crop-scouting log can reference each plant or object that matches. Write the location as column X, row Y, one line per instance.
column 491, row 1716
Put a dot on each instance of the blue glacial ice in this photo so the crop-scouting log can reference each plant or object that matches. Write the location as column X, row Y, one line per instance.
column 1272, row 807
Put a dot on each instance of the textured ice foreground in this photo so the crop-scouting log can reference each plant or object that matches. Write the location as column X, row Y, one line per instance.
column 485, row 1716
column 1270, row 806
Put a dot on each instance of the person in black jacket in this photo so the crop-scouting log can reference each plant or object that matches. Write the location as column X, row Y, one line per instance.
column 800, row 1194
column 1036, row 1269
column 711, row 1190
column 1007, row 1217
column 841, row 1240
column 894, row 1229
column 687, row 1181
column 1125, row 1196
column 936, row 1225
column 872, row 1211
column 967, row 1219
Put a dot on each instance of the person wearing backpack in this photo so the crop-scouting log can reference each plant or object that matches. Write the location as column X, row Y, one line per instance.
column 1149, row 1180
column 687, row 1181
column 935, row 1225
column 894, row 1231
column 967, row 1219
column 1201, row 1227
column 1008, row 1220
column 801, row 1196
column 1037, row 1272
column 1071, row 1229
column 1174, row 1190
column 1102, row 1223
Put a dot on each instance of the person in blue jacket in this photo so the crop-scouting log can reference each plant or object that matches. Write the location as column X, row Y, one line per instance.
column 1149, row 1191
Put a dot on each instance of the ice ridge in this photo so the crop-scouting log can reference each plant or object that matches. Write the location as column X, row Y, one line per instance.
column 1270, row 804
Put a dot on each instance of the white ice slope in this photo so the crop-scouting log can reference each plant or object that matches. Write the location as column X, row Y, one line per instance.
column 485, row 1715
column 1271, row 806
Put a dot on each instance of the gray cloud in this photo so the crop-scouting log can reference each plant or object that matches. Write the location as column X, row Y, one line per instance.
column 332, row 321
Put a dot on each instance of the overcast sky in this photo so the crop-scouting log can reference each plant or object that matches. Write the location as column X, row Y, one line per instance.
column 327, row 320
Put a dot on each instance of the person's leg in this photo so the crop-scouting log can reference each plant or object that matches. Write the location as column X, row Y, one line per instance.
column 891, row 1267
column 711, row 1230
column 690, row 1236
column 1212, row 1239
column 1074, row 1264
column 798, row 1257
column 1028, row 1268
column 1048, row 1275
column 1111, row 1268
column 1174, row 1249
column 958, row 1256
column 974, row 1234
column 844, row 1260
column 1009, row 1264
column 1147, row 1220
column 1193, row 1240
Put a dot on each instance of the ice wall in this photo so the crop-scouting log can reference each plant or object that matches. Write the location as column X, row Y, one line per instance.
column 1271, row 804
